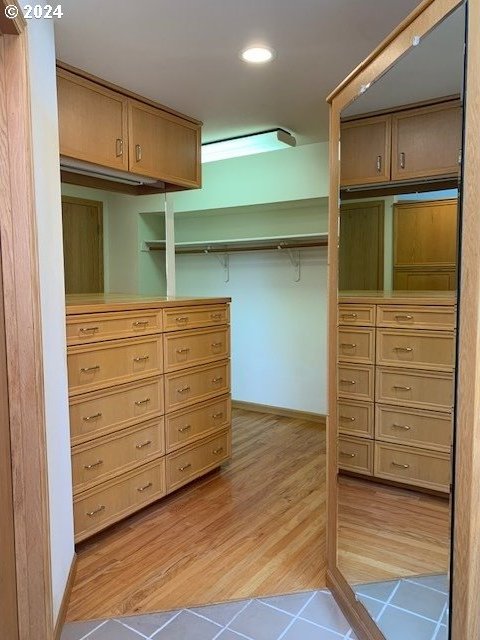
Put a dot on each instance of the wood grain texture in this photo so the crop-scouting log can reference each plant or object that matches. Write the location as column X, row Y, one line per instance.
column 65, row 600
column 258, row 527
column 106, row 302
column 366, row 151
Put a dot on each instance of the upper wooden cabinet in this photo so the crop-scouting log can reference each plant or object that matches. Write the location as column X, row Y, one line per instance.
column 406, row 145
column 115, row 129
column 365, row 151
column 426, row 142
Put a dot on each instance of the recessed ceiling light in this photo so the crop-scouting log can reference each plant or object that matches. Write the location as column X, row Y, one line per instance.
column 257, row 55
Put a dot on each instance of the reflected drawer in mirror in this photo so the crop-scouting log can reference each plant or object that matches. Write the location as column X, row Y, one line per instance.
column 355, row 418
column 360, row 315
column 426, row 317
column 355, row 382
column 422, row 389
column 356, row 345
column 416, row 349
column 415, row 427
column 355, row 455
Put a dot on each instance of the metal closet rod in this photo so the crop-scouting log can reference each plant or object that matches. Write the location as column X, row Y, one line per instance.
column 276, row 247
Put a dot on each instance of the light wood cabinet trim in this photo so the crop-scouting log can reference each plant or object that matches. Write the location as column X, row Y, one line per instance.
column 193, row 348
column 143, row 442
column 355, row 454
column 422, row 317
column 370, row 154
column 195, row 317
column 78, row 304
column 356, row 345
column 187, row 387
column 419, row 389
column 360, row 385
column 98, row 327
column 356, row 315
column 362, row 426
column 429, row 430
column 410, row 349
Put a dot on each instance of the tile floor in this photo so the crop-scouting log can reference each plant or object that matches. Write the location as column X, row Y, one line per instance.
column 415, row 608
column 312, row 615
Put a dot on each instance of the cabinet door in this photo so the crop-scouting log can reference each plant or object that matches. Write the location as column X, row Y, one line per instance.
column 92, row 122
column 426, row 142
column 365, row 151
column 163, row 146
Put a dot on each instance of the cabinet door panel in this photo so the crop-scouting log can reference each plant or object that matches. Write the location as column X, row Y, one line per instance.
column 163, row 146
column 426, row 142
column 366, row 151
column 92, row 122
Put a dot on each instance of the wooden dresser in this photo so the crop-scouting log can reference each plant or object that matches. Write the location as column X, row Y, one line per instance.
column 396, row 360
column 150, row 409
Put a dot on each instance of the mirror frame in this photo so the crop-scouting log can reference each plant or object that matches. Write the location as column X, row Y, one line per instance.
column 465, row 579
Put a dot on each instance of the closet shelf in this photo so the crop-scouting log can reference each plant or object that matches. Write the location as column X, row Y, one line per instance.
column 244, row 244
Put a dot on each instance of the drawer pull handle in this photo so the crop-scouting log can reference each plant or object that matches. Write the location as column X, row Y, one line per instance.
column 183, row 350
column 90, row 369
column 349, row 315
column 405, row 427
column 141, row 445
column 400, row 466
column 217, row 379
column 401, row 387
column 185, row 428
column 216, row 316
column 141, row 323
column 346, row 454
column 141, row 358
column 98, row 463
column 379, row 164
column 402, row 160
column 119, row 147
column 93, row 513
column 183, row 389
column 405, row 349
column 139, row 403
column 185, row 467
column 94, row 417
column 348, row 345
column 216, row 345
column 145, row 487
column 342, row 381
column 182, row 319
column 89, row 329
column 217, row 451
column 405, row 317
column 350, row 419
column 217, row 415
column 138, row 152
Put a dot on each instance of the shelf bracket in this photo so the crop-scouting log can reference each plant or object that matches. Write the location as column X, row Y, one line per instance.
column 224, row 260
column 295, row 260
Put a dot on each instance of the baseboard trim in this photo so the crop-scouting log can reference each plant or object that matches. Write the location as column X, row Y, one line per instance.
column 279, row 411
column 62, row 614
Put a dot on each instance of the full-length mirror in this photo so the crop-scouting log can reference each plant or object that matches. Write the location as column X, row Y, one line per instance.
column 398, row 256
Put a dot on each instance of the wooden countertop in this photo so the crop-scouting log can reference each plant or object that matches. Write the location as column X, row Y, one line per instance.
column 105, row 302
column 444, row 298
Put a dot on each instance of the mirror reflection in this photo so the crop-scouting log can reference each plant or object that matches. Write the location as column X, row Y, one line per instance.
column 400, row 170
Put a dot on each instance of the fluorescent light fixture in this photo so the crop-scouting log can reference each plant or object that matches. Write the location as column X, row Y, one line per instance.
column 247, row 145
column 257, row 55
column 94, row 171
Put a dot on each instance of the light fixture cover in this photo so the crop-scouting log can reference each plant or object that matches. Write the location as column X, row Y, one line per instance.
column 247, row 145
column 257, row 55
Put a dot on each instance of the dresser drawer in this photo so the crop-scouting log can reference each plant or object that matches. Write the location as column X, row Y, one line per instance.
column 95, row 327
column 178, row 318
column 355, row 455
column 355, row 382
column 92, row 367
column 356, row 345
column 184, row 466
column 102, row 412
column 416, row 349
column 414, row 427
column 187, row 426
column 110, row 502
column 426, row 317
column 356, row 314
column 189, row 348
column 111, row 455
column 195, row 385
column 355, row 418
column 413, row 466
column 427, row 390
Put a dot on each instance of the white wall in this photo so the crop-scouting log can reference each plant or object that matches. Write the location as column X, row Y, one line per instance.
column 49, row 231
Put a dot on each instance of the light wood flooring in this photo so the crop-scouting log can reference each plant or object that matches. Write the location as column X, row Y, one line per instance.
column 254, row 528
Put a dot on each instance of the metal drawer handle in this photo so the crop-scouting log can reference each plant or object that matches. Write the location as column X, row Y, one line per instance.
column 346, row 454
column 93, row 513
column 379, row 164
column 216, row 316
column 90, row 369
column 348, row 345
column 348, row 381
column 217, row 379
column 141, row 358
column 185, row 428
column 141, row 445
column 89, row 329
column 182, row 319
column 405, row 349
column 183, row 350
column 141, row 323
column 186, row 466
column 138, row 152
column 119, row 147
column 401, row 387
column 402, row 160
column 98, row 463
column 348, row 315
column 217, row 451
column 347, row 418
column 400, row 466
column 405, row 317
column 217, row 415
column 94, row 417
column 140, row 402
column 183, row 389
column 145, row 487
column 216, row 345
column 405, row 427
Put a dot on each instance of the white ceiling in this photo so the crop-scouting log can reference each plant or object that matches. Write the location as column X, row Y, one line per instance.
column 184, row 53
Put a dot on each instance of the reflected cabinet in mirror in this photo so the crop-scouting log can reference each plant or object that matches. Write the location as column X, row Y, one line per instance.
column 396, row 331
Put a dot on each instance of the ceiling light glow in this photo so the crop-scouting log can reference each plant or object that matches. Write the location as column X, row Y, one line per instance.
column 247, row 145
column 257, row 55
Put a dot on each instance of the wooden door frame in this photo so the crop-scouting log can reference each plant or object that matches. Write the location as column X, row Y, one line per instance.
column 465, row 557
column 23, row 337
